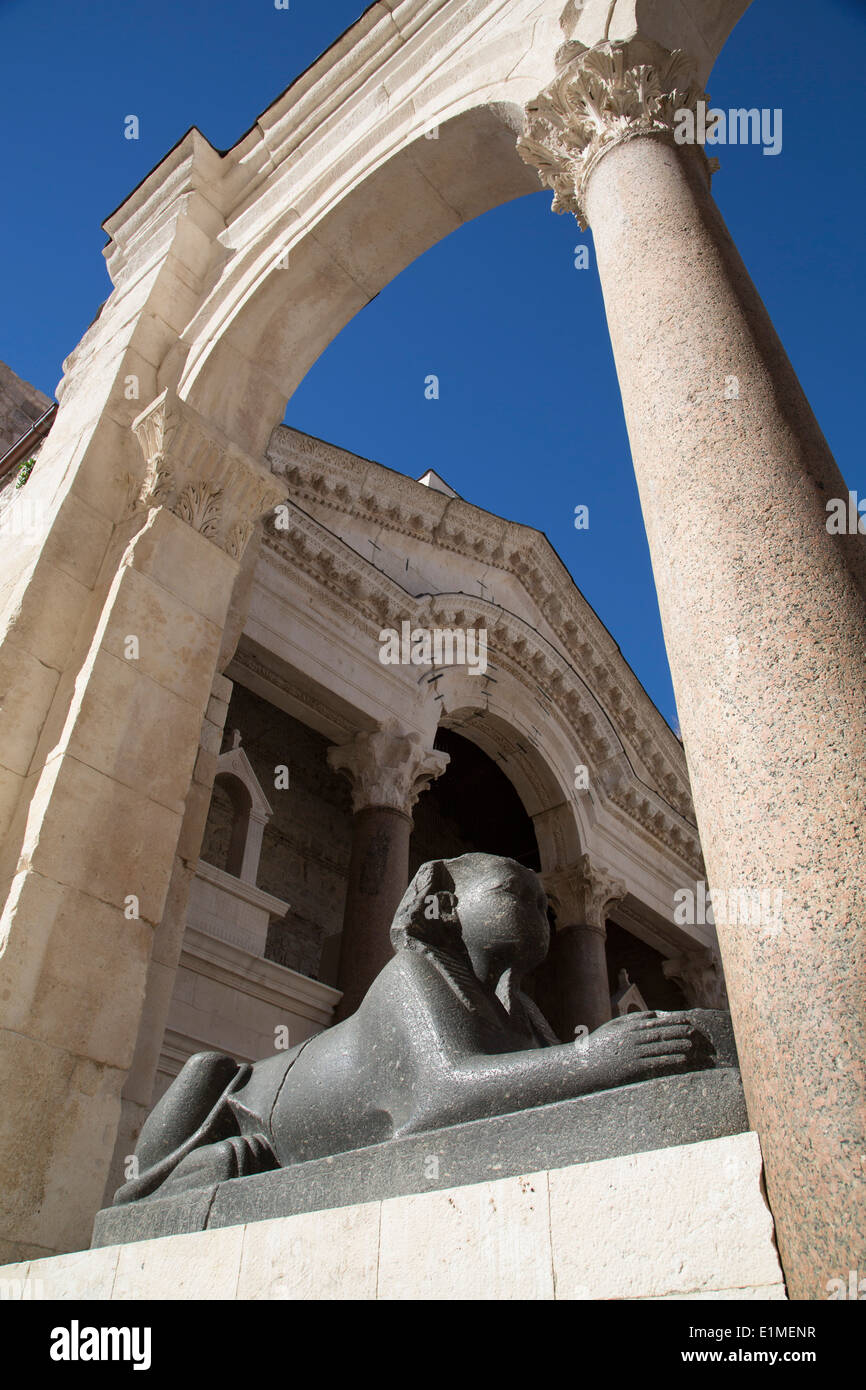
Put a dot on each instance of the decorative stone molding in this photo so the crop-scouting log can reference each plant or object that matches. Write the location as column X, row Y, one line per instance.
column 699, row 972
column 582, row 894
column 578, row 690
column 388, row 767
column 600, row 98
column 320, row 474
column 207, row 482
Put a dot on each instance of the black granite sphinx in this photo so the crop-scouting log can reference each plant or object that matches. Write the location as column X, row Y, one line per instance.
column 444, row 1036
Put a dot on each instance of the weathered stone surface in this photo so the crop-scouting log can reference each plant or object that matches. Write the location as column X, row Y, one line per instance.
column 535, row 1236
column 674, row 1221
column 489, row 1241
column 333, row 1252
column 195, row 1267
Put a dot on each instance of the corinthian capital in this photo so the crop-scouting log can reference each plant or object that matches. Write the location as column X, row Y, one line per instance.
column 200, row 476
column 601, row 97
column 699, row 972
column 583, row 894
column 389, row 767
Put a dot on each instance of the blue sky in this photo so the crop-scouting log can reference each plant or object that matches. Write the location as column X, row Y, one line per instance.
column 529, row 422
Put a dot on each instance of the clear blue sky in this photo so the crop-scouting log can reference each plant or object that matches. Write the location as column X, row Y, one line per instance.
column 529, row 422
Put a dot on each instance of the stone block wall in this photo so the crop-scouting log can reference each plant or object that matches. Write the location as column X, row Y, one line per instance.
column 689, row 1222
column 307, row 842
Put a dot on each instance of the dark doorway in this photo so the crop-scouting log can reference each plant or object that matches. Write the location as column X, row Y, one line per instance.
column 471, row 808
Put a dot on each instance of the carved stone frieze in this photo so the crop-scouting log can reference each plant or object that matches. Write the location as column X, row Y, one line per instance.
column 311, row 556
column 324, row 475
column 388, row 767
column 601, row 97
column 208, row 482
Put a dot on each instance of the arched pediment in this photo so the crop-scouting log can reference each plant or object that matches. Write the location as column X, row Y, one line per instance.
column 234, row 763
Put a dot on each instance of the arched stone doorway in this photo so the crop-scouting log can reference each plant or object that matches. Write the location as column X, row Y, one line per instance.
column 471, row 808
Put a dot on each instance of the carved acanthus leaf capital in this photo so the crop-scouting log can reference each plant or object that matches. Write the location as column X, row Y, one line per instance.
column 388, row 767
column 700, row 974
column 583, row 894
column 601, row 97
column 202, row 478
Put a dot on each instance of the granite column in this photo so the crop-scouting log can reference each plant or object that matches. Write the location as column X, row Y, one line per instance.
column 389, row 769
column 764, row 615
column 572, row 987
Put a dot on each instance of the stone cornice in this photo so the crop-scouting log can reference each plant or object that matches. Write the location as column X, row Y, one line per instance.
column 325, row 476
column 205, row 480
column 600, row 98
column 317, row 560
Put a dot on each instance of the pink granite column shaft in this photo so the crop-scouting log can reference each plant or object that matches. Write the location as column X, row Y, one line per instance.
column 378, row 877
column 764, row 615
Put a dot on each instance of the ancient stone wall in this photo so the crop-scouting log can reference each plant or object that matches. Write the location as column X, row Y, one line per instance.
column 307, row 842
column 20, row 406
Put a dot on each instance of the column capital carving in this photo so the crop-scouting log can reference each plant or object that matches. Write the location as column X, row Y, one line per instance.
column 388, row 767
column 201, row 476
column 700, row 974
column 582, row 894
column 601, row 97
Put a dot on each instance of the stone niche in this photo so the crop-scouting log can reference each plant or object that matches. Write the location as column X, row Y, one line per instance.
column 306, row 837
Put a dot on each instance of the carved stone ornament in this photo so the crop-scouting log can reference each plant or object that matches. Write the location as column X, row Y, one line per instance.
column 582, row 894
column 600, row 98
column 388, row 767
column 700, row 974
column 205, row 480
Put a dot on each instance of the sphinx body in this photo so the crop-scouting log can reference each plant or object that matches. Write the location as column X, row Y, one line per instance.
column 445, row 1034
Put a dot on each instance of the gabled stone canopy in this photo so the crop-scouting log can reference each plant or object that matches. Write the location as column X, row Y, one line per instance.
column 370, row 547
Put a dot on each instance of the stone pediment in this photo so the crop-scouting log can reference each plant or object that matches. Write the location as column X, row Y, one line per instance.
column 560, row 645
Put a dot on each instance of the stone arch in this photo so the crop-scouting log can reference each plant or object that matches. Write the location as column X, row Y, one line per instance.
column 282, row 298
column 531, row 767
column 332, row 211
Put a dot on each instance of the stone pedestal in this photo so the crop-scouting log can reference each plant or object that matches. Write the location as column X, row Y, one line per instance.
column 679, row 1223
column 764, row 614
column 389, row 769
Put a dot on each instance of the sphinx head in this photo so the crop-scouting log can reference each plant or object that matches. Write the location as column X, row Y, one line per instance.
column 494, row 907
